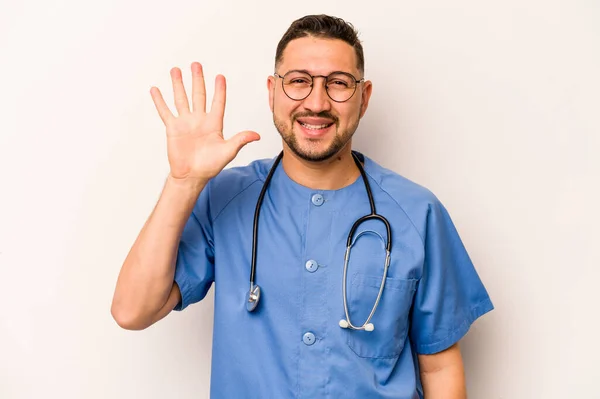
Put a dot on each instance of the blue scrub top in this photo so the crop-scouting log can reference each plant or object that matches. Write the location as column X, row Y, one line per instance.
column 291, row 346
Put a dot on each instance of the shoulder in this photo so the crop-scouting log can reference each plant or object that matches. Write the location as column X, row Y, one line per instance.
column 411, row 198
column 398, row 187
column 234, row 181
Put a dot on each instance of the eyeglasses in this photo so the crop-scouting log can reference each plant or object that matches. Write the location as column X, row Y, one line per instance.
column 298, row 85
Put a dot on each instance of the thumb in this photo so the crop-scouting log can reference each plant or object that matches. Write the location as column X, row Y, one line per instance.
column 241, row 139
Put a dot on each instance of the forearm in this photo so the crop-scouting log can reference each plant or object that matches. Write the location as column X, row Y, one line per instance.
column 146, row 277
column 443, row 375
column 445, row 383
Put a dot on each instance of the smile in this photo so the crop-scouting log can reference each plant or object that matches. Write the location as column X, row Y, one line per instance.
column 315, row 127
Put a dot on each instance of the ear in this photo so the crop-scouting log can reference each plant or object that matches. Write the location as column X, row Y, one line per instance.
column 271, row 88
column 365, row 96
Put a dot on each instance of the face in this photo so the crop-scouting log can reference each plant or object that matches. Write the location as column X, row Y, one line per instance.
column 317, row 128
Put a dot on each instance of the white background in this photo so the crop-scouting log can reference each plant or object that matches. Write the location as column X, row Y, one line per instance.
column 494, row 106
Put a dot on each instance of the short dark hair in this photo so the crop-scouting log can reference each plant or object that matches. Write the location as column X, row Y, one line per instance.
column 322, row 26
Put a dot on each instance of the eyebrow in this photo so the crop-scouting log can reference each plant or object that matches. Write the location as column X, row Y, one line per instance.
column 308, row 72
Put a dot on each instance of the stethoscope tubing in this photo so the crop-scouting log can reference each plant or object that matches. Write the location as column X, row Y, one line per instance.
column 253, row 295
column 256, row 216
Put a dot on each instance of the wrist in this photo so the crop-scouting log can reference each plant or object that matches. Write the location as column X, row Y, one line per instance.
column 191, row 184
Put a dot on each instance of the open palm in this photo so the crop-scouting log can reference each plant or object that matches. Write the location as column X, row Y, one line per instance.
column 195, row 145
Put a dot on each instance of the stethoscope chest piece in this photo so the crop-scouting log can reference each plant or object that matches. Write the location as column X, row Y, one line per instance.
column 252, row 298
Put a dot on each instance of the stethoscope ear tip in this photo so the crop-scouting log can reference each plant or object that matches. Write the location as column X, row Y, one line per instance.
column 367, row 327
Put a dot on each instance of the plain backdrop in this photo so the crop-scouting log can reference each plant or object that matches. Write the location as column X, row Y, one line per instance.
column 494, row 106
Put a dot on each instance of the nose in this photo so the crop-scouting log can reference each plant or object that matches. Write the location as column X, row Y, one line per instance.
column 318, row 100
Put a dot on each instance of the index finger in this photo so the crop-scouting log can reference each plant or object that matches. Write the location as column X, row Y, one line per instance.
column 198, row 88
column 218, row 103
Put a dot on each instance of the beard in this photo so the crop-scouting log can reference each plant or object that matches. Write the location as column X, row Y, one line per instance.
column 310, row 152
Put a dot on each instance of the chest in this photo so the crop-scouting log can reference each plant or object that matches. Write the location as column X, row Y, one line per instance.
column 302, row 246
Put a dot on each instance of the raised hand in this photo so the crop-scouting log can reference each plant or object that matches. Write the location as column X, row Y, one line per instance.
column 195, row 145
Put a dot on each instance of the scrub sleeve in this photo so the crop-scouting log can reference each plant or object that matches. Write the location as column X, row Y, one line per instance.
column 195, row 268
column 450, row 295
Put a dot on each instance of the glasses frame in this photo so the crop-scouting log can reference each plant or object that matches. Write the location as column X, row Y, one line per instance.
column 312, row 84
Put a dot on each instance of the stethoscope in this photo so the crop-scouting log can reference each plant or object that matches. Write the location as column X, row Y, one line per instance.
column 253, row 296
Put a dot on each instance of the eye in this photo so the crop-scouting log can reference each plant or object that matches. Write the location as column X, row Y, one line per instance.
column 340, row 83
column 299, row 81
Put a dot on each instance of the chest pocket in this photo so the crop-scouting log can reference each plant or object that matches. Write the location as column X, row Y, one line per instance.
column 390, row 319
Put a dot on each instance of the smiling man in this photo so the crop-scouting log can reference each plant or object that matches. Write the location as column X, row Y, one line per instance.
column 321, row 118
column 359, row 283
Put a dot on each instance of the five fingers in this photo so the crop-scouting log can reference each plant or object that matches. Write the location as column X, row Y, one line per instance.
column 198, row 95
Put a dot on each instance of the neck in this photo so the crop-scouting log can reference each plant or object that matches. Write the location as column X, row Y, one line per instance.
column 337, row 172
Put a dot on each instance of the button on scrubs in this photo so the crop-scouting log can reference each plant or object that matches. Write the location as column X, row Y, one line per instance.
column 291, row 346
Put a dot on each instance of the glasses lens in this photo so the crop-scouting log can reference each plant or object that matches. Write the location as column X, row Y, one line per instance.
column 297, row 85
column 340, row 86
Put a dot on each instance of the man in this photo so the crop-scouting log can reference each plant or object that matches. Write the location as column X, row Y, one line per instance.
column 321, row 325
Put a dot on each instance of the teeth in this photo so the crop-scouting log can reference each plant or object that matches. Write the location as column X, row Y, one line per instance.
column 315, row 127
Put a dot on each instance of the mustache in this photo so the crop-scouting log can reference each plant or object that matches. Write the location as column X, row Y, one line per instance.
column 322, row 114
